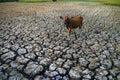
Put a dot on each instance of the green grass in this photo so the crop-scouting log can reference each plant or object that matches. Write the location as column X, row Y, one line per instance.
column 34, row 0
column 107, row 2
column 48, row 0
column 112, row 2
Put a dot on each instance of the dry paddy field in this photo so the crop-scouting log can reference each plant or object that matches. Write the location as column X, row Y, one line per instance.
column 34, row 44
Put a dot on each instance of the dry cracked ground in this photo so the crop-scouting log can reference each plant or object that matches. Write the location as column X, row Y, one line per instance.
column 34, row 44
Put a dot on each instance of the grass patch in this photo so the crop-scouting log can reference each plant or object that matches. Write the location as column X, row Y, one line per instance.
column 34, row 1
column 106, row 2
column 48, row 0
column 112, row 2
column 92, row 0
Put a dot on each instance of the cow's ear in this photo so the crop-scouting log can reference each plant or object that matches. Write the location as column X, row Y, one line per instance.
column 61, row 17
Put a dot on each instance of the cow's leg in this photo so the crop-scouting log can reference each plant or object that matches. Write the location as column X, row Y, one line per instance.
column 75, row 35
column 69, row 31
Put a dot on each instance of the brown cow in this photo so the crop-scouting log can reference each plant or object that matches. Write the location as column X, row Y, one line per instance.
column 73, row 22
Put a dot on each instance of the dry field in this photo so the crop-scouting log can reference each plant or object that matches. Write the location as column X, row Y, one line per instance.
column 34, row 44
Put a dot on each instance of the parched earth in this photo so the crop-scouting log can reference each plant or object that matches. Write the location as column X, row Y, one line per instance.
column 34, row 44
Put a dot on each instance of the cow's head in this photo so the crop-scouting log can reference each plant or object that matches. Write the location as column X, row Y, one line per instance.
column 66, row 20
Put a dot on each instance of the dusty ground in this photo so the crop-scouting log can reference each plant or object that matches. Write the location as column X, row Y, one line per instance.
column 34, row 44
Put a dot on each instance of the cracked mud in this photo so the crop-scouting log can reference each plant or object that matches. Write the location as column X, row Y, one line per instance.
column 34, row 44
